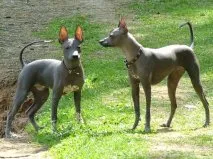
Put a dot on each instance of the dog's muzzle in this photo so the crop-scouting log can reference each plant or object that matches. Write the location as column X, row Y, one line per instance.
column 76, row 55
column 103, row 42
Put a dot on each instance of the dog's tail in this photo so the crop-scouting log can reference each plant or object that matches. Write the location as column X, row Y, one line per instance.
column 21, row 53
column 191, row 33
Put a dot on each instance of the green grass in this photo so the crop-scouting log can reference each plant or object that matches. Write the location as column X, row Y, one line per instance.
column 106, row 101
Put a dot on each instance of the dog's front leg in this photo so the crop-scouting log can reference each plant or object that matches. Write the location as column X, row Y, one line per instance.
column 57, row 93
column 135, row 97
column 147, row 91
column 77, row 100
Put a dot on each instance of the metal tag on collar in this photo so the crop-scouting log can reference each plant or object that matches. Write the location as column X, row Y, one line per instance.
column 70, row 71
column 126, row 63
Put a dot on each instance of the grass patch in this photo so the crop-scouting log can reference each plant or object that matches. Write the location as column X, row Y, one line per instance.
column 106, row 102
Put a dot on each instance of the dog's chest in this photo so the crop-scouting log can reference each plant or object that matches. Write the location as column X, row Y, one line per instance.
column 70, row 88
column 39, row 87
column 135, row 76
column 74, row 82
column 133, row 73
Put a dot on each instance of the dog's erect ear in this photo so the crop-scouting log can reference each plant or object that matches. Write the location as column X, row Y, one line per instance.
column 79, row 34
column 63, row 34
column 122, row 25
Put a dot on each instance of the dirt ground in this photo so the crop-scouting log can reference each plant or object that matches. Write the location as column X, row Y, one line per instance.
column 18, row 20
column 21, row 147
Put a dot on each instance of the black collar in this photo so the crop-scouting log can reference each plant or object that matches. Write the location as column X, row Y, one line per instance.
column 70, row 70
column 128, row 63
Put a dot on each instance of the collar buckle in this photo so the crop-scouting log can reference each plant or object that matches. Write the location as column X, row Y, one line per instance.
column 126, row 63
column 70, row 71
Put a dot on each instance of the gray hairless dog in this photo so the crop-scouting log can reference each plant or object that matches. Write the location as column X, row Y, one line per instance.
column 40, row 75
column 150, row 66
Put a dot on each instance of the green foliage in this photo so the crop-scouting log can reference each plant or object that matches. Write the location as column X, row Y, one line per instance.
column 106, row 102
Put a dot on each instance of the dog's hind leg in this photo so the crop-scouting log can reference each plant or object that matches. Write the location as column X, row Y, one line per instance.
column 20, row 96
column 172, row 83
column 40, row 97
column 194, row 74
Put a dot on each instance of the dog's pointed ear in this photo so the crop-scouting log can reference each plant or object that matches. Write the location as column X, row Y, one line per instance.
column 79, row 34
column 63, row 34
column 122, row 25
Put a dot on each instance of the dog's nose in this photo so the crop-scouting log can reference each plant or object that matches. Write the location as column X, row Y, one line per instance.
column 101, row 41
column 104, row 43
column 75, row 56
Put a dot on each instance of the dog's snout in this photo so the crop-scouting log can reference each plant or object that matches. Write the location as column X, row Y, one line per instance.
column 75, row 56
column 101, row 41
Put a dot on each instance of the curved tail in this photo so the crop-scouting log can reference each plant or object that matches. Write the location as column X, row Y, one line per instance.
column 21, row 53
column 191, row 33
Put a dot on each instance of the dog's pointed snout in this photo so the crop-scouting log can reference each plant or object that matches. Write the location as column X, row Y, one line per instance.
column 76, row 55
column 101, row 41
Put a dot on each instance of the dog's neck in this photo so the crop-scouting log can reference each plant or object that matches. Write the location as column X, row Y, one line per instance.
column 71, row 65
column 130, row 47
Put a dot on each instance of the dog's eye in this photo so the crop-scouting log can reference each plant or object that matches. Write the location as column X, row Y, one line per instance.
column 67, row 47
column 111, row 36
column 79, row 49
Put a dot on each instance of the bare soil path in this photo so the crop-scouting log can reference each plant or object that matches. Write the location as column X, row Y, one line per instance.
column 18, row 20
column 21, row 147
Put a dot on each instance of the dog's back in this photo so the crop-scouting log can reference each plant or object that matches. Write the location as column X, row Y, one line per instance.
column 39, row 71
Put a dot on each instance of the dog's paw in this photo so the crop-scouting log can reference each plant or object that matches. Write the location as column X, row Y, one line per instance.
column 164, row 125
column 8, row 136
column 40, row 128
column 55, row 131
column 12, row 136
column 137, row 120
column 54, row 128
column 147, row 130
column 206, row 125
column 79, row 118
